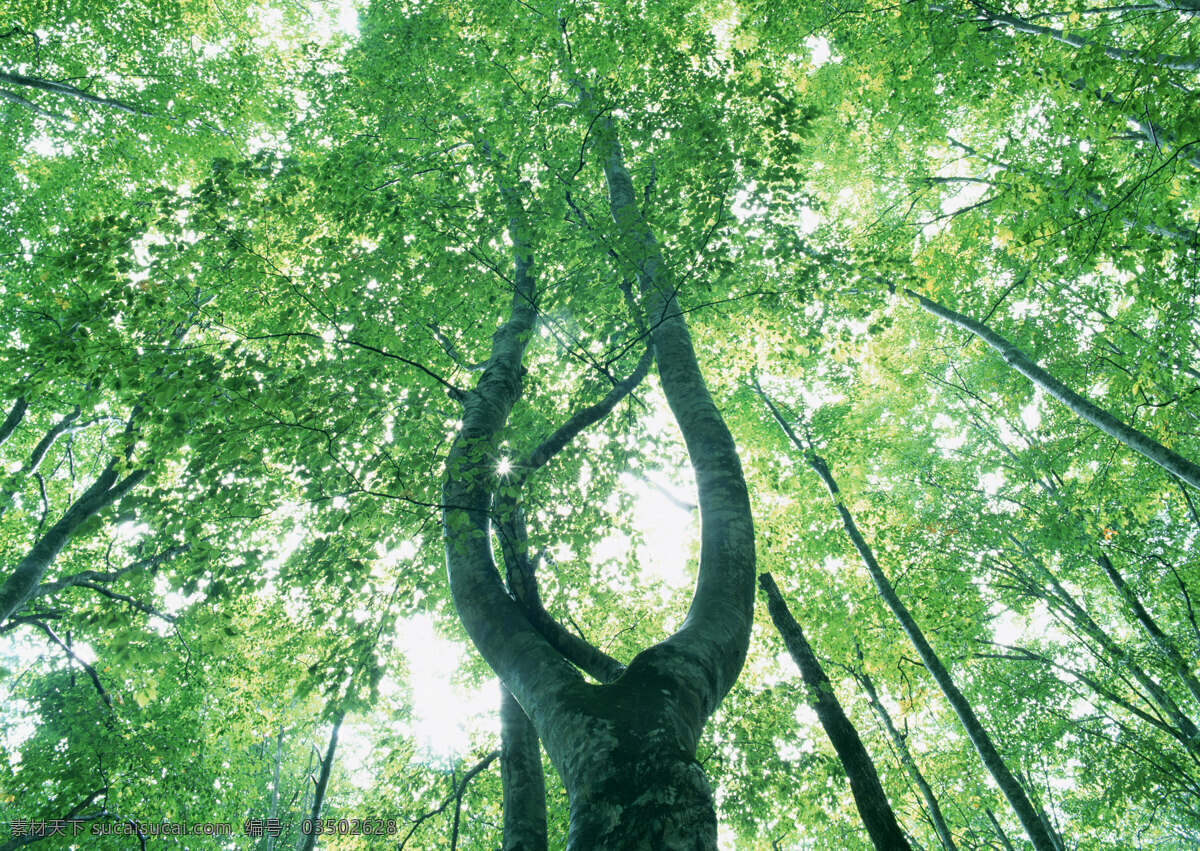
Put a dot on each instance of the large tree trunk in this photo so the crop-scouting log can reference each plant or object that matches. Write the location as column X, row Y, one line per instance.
column 520, row 754
column 626, row 749
column 522, row 779
column 872, row 802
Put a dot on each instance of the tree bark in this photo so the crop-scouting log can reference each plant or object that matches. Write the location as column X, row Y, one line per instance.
column 1009, row 786
column 872, row 802
column 522, row 779
column 625, row 749
column 908, row 761
column 1000, row 834
column 1172, row 462
column 717, row 628
column 309, row 840
column 521, row 775
column 13, row 97
column 1184, row 7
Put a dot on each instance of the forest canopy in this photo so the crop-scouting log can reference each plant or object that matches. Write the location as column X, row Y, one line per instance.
column 600, row 424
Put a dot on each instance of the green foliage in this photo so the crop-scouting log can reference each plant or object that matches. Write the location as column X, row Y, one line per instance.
column 263, row 285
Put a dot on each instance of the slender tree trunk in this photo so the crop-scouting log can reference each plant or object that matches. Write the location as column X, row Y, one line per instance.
column 1045, row 816
column 1171, row 461
column 1009, row 786
column 460, row 789
column 309, row 840
column 1161, row 640
column 522, row 778
column 302, row 837
column 274, row 812
column 908, row 761
column 872, row 802
column 1184, row 728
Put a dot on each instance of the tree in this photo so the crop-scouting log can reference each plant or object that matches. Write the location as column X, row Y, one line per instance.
column 625, row 750
column 280, row 309
column 869, row 797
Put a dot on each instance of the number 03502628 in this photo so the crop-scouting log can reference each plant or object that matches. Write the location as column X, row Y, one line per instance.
column 350, row 827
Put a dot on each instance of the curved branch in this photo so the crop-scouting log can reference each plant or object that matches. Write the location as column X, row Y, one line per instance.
column 711, row 644
column 530, row 668
column 456, row 795
column 581, row 420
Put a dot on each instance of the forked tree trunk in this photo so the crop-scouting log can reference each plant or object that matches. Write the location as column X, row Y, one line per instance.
column 625, row 750
column 521, row 776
